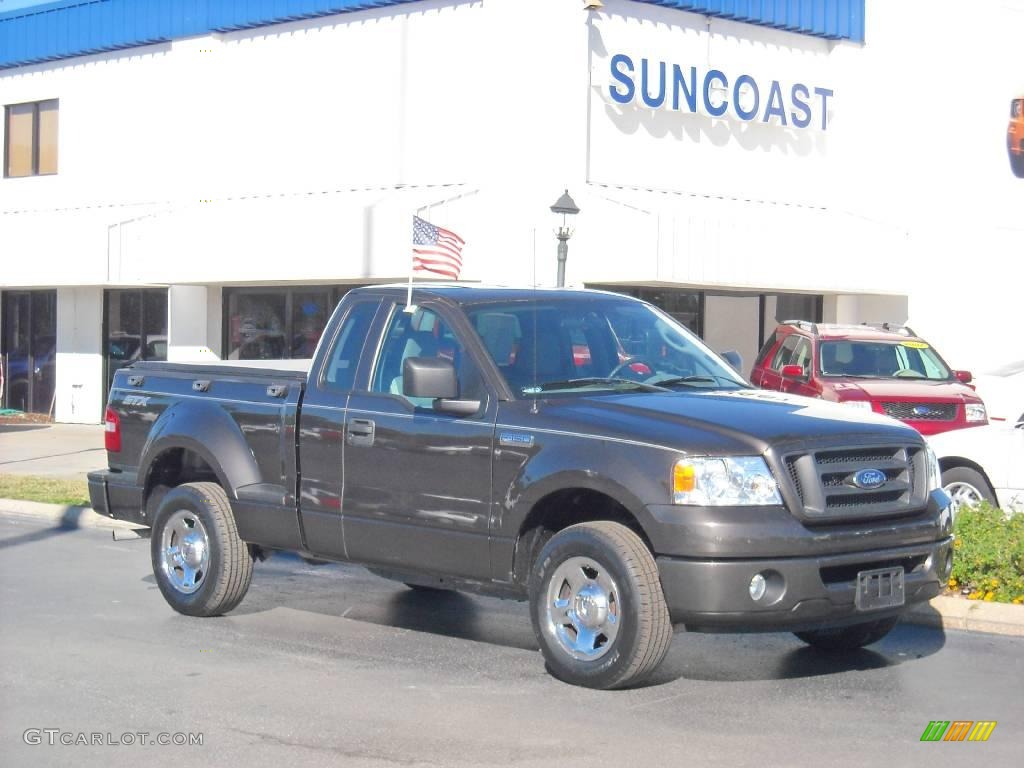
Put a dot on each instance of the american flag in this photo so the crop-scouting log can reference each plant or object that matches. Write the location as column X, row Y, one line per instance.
column 435, row 249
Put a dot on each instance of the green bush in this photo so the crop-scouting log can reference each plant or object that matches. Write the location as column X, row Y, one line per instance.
column 989, row 557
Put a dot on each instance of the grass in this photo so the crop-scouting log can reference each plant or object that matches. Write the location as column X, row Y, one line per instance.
column 51, row 490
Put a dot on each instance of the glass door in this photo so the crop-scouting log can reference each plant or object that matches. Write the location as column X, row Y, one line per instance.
column 135, row 326
column 29, row 350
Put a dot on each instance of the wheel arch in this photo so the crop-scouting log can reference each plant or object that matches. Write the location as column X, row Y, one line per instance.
column 956, row 462
column 204, row 443
column 569, row 500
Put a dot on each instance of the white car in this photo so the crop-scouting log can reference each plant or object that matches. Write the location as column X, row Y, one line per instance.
column 1002, row 389
column 984, row 464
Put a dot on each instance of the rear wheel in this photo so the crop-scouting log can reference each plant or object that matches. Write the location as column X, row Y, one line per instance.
column 597, row 606
column 848, row 638
column 201, row 565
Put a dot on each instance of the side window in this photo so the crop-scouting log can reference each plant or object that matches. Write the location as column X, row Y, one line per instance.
column 422, row 333
column 785, row 353
column 765, row 349
column 340, row 370
column 802, row 355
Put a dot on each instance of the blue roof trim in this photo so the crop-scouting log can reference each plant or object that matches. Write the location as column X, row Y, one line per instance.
column 832, row 19
column 67, row 28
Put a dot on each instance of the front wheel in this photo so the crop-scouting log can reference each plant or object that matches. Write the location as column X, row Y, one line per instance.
column 597, row 606
column 848, row 638
column 201, row 565
column 966, row 487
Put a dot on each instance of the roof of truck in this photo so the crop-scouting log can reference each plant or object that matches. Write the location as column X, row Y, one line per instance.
column 475, row 292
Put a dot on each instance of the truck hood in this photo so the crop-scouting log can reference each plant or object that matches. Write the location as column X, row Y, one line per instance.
column 747, row 420
column 902, row 389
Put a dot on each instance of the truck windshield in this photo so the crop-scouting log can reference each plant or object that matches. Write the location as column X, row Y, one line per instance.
column 882, row 360
column 595, row 343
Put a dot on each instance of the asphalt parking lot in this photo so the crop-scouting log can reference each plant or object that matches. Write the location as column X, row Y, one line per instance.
column 332, row 666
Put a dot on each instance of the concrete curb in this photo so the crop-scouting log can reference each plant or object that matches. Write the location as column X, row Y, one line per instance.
column 941, row 612
column 971, row 615
column 61, row 515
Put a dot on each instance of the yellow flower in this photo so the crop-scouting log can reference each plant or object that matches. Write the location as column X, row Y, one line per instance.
column 956, row 544
column 974, row 596
column 952, row 583
column 1018, row 600
column 990, row 596
column 994, row 583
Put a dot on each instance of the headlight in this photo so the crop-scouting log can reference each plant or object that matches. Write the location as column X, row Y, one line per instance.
column 934, row 470
column 976, row 412
column 724, row 481
column 864, row 405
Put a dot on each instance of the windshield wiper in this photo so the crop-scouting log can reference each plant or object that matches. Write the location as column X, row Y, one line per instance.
column 689, row 380
column 589, row 381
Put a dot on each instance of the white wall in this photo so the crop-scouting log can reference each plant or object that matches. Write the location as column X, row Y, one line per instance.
column 731, row 323
column 187, row 323
column 80, row 387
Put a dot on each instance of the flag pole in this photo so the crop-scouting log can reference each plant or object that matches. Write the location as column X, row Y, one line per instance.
column 409, row 306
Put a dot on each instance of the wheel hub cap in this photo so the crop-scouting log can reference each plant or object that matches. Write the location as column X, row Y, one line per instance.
column 583, row 608
column 186, row 551
column 591, row 606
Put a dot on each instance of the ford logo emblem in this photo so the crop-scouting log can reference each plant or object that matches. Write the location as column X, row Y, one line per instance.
column 921, row 410
column 869, row 479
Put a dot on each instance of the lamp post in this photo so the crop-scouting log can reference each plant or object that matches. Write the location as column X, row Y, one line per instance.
column 565, row 206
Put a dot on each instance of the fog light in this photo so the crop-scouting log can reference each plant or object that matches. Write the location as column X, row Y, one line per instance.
column 758, row 585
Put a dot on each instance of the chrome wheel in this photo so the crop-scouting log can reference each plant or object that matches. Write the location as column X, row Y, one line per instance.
column 583, row 608
column 963, row 494
column 186, row 551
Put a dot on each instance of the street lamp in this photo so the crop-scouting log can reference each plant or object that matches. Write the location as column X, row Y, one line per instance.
column 565, row 206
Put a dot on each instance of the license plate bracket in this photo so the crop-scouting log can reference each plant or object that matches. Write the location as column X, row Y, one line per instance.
column 880, row 588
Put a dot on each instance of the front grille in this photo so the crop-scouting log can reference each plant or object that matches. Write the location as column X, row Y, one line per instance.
column 826, row 482
column 921, row 411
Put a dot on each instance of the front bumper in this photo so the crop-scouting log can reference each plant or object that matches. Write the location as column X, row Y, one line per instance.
column 808, row 592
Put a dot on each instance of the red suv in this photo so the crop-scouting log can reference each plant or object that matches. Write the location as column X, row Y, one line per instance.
column 882, row 368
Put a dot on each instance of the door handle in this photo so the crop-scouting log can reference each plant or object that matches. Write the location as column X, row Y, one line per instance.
column 360, row 432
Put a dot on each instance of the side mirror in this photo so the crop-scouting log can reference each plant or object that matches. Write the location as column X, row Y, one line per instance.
column 431, row 378
column 434, row 378
column 964, row 377
column 792, row 371
column 733, row 358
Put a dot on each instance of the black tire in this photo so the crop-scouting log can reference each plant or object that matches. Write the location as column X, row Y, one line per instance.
column 642, row 627
column 967, row 486
column 849, row 638
column 227, row 571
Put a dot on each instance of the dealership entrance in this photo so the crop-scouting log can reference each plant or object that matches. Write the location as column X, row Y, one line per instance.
column 29, row 349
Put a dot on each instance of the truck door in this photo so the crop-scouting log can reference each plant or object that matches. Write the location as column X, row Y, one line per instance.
column 418, row 482
column 322, row 427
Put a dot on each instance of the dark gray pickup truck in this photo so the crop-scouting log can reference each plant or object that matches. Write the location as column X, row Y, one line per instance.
column 578, row 449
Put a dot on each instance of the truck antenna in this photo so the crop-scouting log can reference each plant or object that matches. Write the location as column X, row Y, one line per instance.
column 534, row 407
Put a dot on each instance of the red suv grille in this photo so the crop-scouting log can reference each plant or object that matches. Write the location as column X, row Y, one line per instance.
column 921, row 411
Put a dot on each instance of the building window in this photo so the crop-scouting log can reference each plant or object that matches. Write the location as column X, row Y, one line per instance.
column 135, row 328
column 30, row 146
column 277, row 323
column 685, row 306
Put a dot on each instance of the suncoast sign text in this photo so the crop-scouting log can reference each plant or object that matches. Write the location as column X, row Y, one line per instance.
column 662, row 85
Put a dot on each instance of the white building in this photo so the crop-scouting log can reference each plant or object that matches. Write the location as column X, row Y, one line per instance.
column 188, row 175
